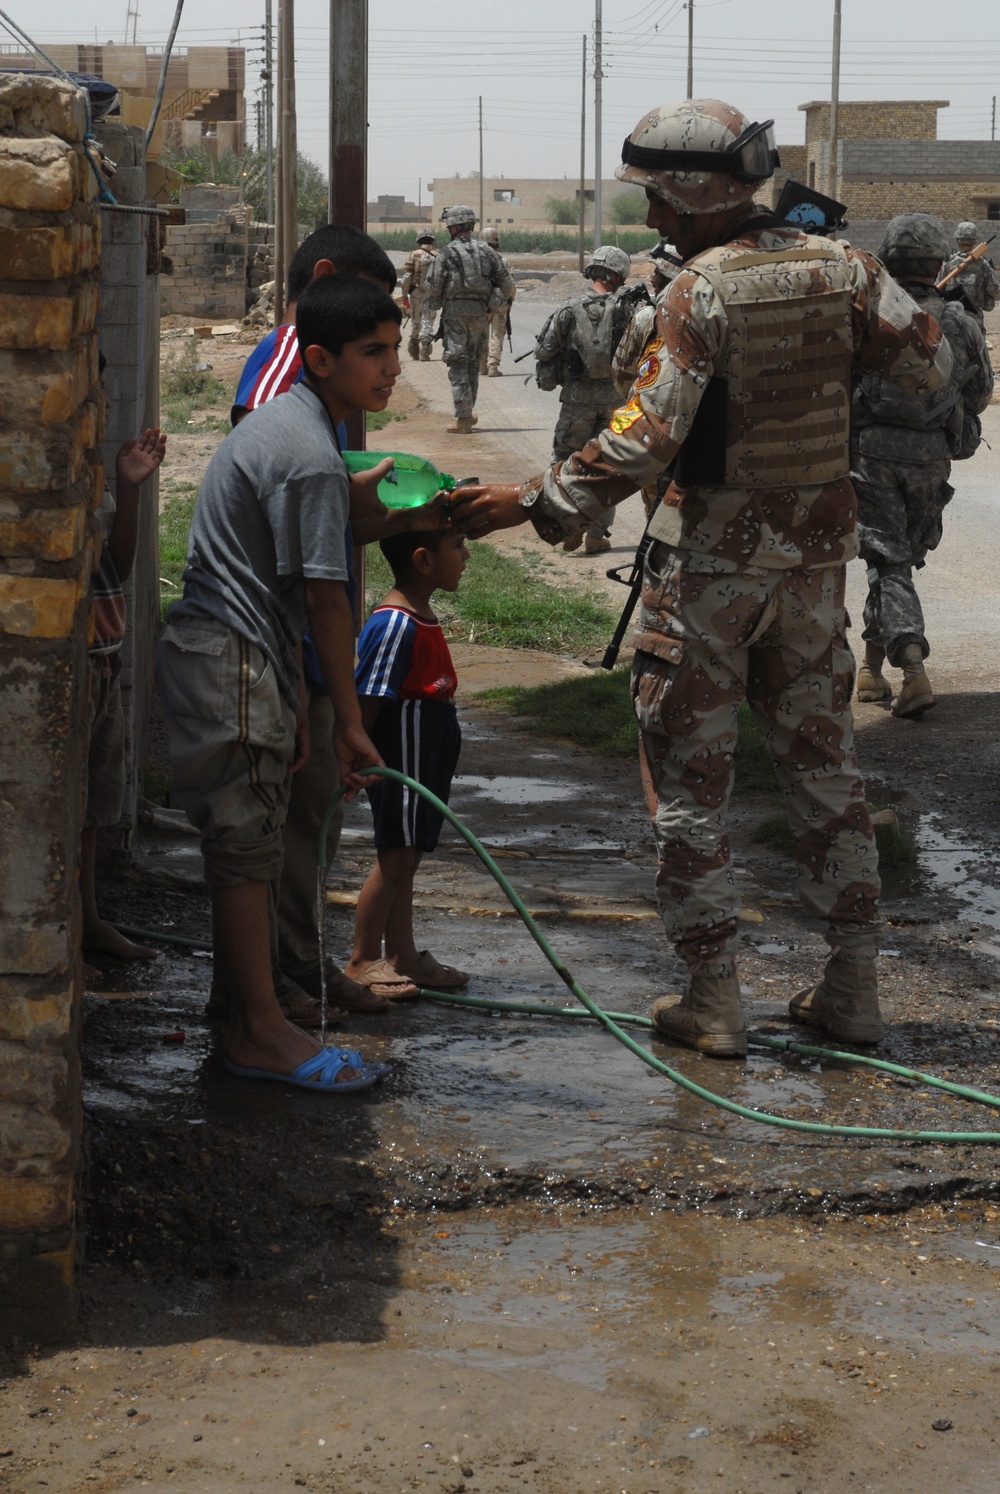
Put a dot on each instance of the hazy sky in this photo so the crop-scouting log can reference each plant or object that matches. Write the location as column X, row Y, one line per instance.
column 430, row 60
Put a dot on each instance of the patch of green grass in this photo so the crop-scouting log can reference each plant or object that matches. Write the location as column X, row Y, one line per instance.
column 754, row 767
column 594, row 710
column 185, row 388
column 897, row 848
column 506, row 602
column 175, row 521
column 377, row 420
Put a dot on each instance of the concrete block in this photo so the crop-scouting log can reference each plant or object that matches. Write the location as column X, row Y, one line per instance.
column 35, row 1203
column 27, row 1018
column 48, row 253
column 47, row 321
column 44, row 386
column 41, row 106
column 38, row 607
column 51, row 534
column 27, row 1132
column 37, row 175
column 30, row 1077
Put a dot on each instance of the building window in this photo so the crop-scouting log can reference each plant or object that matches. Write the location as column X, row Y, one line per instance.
column 504, row 194
column 812, row 173
column 588, row 194
column 993, row 212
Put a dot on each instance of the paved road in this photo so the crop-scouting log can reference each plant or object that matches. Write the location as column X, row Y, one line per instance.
column 958, row 586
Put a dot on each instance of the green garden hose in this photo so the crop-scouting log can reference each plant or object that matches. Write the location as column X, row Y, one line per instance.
column 610, row 1020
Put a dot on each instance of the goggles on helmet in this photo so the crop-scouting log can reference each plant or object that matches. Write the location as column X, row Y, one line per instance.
column 752, row 157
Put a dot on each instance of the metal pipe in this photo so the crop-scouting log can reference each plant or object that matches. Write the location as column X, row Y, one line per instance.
column 598, row 75
column 583, row 153
column 831, row 165
column 162, row 83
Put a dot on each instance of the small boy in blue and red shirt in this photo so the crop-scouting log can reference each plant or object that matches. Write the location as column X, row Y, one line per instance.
column 406, row 685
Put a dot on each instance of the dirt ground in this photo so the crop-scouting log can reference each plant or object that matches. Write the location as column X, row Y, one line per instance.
column 525, row 1260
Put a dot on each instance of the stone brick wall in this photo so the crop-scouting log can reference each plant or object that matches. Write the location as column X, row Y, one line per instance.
column 50, row 478
column 209, row 269
column 876, row 119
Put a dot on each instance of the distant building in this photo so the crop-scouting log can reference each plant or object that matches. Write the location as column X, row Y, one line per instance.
column 522, row 202
column 389, row 211
column 203, row 101
column 889, row 161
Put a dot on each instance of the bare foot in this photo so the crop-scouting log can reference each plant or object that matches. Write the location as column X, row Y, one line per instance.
column 102, row 938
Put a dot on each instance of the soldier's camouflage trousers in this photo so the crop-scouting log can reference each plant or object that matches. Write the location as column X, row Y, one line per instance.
column 708, row 639
column 464, row 335
column 578, row 424
column 421, row 324
column 900, row 505
column 497, row 332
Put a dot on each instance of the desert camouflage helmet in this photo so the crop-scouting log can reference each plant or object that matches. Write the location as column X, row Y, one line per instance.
column 490, row 236
column 425, row 236
column 458, row 216
column 914, row 237
column 966, row 232
column 610, row 259
column 700, row 155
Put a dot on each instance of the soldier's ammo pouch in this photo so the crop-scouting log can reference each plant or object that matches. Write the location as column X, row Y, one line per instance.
column 777, row 411
column 548, row 375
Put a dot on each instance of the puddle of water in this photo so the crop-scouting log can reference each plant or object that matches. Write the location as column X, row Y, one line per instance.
column 949, row 864
column 505, row 789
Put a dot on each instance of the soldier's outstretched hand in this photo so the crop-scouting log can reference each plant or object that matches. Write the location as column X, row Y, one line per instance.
column 478, row 511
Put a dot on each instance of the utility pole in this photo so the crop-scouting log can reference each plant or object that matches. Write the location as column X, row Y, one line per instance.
column 583, row 152
column 598, row 75
column 480, row 163
column 993, row 121
column 690, row 77
column 286, row 235
column 831, row 172
column 268, row 77
column 348, row 201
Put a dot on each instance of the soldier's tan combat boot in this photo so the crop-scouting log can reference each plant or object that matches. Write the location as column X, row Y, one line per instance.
column 916, row 695
column 872, row 683
column 594, row 544
column 709, row 1018
column 845, row 1003
column 572, row 543
column 462, row 426
column 494, row 373
column 425, row 352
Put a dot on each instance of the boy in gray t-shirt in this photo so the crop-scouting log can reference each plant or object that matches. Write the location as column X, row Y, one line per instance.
column 265, row 562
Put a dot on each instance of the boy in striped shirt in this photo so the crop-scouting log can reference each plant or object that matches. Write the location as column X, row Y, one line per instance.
column 406, row 685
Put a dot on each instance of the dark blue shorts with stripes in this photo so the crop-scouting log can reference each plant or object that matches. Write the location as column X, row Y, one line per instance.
column 421, row 738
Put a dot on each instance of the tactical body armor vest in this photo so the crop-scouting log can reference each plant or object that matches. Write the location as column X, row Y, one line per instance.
column 582, row 332
column 471, row 268
column 941, row 427
column 777, row 411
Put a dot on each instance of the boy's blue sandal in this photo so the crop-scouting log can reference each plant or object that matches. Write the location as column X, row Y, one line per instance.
column 319, row 1073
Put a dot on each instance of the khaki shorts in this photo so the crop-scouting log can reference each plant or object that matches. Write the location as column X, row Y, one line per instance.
column 106, row 749
column 232, row 741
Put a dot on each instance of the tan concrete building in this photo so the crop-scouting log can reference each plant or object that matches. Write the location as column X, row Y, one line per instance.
column 520, row 202
column 203, row 101
column 889, row 160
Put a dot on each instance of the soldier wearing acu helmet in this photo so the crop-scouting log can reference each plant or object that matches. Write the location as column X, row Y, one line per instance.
column 467, row 281
column 416, row 270
column 978, row 280
column 574, row 351
column 489, row 364
column 744, row 392
column 902, row 447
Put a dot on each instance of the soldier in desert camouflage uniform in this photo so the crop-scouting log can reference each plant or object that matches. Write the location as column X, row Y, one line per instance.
column 978, row 280
column 573, row 353
column 489, row 364
column 413, row 284
column 629, row 352
column 902, row 447
column 745, row 388
column 468, row 280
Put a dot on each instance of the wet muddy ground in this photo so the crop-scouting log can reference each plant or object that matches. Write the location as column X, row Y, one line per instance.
column 524, row 1259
